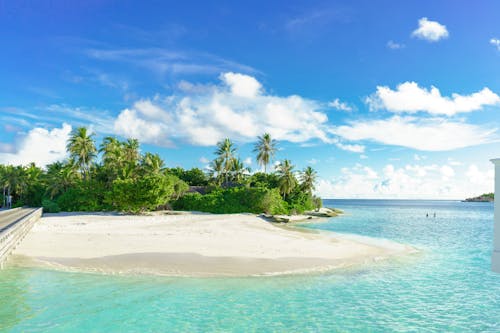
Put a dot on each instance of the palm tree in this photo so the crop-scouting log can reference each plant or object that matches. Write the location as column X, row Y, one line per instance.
column 239, row 169
column 216, row 171
column 131, row 151
column 112, row 152
column 265, row 149
column 287, row 180
column 308, row 179
column 60, row 177
column 14, row 180
column 225, row 151
column 152, row 163
column 81, row 148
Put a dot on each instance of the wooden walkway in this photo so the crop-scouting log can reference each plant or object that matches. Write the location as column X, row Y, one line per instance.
column 14, row 225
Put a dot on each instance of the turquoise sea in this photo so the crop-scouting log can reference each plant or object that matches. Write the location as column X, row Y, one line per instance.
column 448, row 287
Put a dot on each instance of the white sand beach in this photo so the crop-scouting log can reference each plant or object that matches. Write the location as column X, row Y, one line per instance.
column 190, row 244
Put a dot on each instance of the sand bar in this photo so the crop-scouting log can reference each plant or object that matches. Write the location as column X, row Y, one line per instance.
column 190, row 244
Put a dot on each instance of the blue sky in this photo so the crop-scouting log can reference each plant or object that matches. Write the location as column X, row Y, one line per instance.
column 386, row 99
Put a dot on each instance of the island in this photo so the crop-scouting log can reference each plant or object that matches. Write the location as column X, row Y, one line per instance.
column 113, row 209
column 487, row 197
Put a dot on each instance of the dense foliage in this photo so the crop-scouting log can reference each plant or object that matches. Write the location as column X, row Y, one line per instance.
column 116, row 176
column 234, row 200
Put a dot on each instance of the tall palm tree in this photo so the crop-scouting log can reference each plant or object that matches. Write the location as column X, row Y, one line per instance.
column 81, row 148
column 216, row 171
column 225, row 151
column 308, row 179
column 287, row 180
column 131, row 150
column 265, row 148
column 239, row 170
column 112, row 152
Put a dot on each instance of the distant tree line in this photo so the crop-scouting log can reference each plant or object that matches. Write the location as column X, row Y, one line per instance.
column 124, row 179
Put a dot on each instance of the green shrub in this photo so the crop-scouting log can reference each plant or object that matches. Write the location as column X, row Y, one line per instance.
column 234, row 200
column 50, row 206
column 144, row 193
column 80, row 198
column 299, row 202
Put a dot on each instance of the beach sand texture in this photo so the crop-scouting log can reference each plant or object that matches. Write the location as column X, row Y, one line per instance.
column 190, row 244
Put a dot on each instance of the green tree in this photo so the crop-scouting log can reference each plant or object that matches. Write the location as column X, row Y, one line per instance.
column 287, row 181
column 112, row 152
column 60, row 177
column 226, row 152
column 81, row 147
column 239, row 170
column 152, row 163
column 265, row 148
column 14, row 180
column 308, row 179
column 216, row 171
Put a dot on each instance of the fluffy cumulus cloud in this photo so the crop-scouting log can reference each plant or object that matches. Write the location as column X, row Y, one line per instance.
column 242, row 85
column 431, row 31
column 39, row 145
column 435, row 134
column 237, row 108
column 409, row 181
column 409, row 97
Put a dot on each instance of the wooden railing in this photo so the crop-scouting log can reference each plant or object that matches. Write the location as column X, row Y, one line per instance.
column 14, row 234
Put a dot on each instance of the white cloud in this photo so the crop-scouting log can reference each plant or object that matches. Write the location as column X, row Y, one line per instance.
column 436, row 134
column 495, row 42
column 165, row 61
column 418, row 157
column 452, row 162
column 39, row 145
column 408, row 182
column 247, row 161
column 410, row 98
column 350, row 147
column 342, row 106
column 237, row 108
column 431, row 31
column 447, row 172
column 482, row 179
column 131, row 124
column 204, row 160
column 395, row 46
column 242, row 85
column 312, row 161
column 363, row 156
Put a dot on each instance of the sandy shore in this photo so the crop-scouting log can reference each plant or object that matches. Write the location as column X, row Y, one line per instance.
column 190, row 245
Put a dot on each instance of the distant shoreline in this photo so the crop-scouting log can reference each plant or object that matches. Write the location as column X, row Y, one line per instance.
column 487, row 197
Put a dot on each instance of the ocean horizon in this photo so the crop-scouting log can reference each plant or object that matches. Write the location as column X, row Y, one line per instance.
column 446, row 287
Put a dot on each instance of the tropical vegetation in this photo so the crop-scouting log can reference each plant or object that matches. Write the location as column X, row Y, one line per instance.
column 116, row 176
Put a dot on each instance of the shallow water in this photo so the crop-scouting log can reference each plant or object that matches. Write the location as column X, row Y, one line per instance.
column 447, row 287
